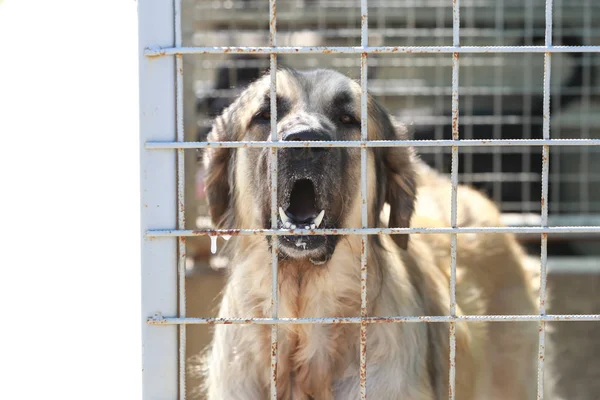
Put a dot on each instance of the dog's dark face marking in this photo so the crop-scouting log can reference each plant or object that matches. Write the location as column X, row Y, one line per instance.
column 310, row 180
column 317, row 187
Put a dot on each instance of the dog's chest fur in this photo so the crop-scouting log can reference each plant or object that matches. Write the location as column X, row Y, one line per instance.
column 321, row 361
column 311, row 355
column 312, row 358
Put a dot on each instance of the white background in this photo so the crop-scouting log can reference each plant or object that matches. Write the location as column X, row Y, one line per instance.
column 69, row 200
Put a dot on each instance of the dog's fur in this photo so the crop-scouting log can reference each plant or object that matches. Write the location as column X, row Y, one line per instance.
column 405, row 277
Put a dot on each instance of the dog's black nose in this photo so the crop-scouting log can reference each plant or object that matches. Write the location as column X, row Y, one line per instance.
column 306, row 134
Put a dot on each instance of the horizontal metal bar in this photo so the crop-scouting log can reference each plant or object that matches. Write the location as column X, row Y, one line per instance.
column 370, row 231
column 160, row 320
column 377, row 143
column 169, row 51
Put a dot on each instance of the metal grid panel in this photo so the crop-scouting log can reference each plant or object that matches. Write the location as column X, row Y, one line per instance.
column 500, row 97
column 153, row 161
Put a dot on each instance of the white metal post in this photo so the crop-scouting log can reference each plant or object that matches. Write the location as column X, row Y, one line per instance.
column 158, row 201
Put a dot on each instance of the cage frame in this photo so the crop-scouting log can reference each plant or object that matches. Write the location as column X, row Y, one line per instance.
column 163, row 231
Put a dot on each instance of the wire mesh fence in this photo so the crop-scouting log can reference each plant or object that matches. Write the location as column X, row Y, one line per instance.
column 407, row 54
column 500, row 94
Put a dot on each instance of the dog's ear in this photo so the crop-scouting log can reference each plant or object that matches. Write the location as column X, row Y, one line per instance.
column 396, row 174
column 218, row 173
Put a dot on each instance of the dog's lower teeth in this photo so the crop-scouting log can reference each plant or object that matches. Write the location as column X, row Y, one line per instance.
column 286, row 221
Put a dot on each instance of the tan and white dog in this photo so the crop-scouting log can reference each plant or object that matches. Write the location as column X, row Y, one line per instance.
column 319, row 276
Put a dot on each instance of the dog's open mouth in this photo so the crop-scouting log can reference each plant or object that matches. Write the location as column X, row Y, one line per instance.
column 302, row 212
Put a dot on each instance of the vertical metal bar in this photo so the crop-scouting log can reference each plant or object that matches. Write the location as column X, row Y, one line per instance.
column 274, row 239
column 453, row 202
column 545, row 169
column 364, row 117
column 410, row 26
column 527, row 79
column 180, row 199
column 497, row 107
column 439, row 81
column 584, row 193
column 468, row 102
column 558, row 153
column 158, row 205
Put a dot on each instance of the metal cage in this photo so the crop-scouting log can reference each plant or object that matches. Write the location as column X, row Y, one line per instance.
column 367, row 37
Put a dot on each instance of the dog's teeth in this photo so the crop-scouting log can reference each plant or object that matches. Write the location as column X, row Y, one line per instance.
column 287, row 224
column 319, row 218
column 307, row 227
column 293, row 226
column 313, row 226
column 284, row 218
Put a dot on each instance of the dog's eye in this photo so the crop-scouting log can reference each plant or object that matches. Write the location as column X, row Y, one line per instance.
column 263, row 116
column 348, row 119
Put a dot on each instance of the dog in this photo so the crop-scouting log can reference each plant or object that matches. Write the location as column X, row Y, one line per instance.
column 319, row 275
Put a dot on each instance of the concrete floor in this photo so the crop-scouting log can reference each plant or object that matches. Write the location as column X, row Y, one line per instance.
column 572, row 353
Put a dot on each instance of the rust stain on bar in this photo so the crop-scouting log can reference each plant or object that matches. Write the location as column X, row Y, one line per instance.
column 274, row 349
column 376, row 143
column 164, row 51
column 160, row 320
column 363, row 350
column 375, row 231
